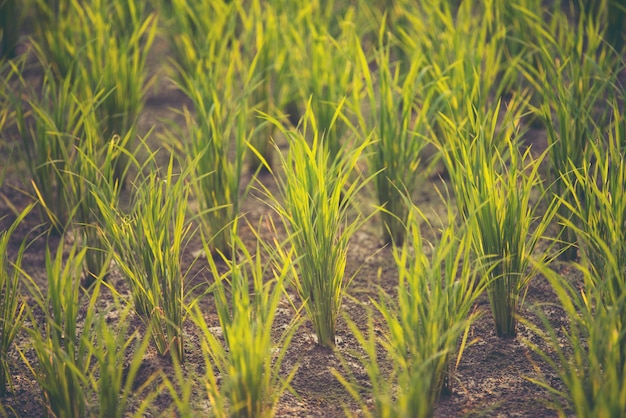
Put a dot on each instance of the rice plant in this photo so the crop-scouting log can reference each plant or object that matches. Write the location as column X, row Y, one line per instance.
column 249, row 360
column 76, row 38
column 494, row 187
column 11, row 305
column 265, row 51
column 588, row 356
column 599, row 211
column 148, row 244
column 317, row 193
column 118, row 356
column 574, row 73
column 464, row 51
column 62, row 347
column 322, row 64
column 218, row 136
column 425, row 330
column 50, row 131
column 399, row 109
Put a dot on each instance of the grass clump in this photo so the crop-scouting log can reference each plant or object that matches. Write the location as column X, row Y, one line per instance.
column 399, row 108
column 147, row 245
column 494, row 186
column 317, row 193
column 588, row 356
column 62, row 348
column 574, row 73
column 11, row 305
column 425, row 328
column 249, row 360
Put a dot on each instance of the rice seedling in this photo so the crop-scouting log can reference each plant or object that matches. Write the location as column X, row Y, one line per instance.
column 493, row 188
column 599, row 211
column 50, row 130
column 147, row 245
column 10, row 19
column 323, row 65
column 609, row 17
column 249, row 360
column 265, row 52
column 400, row 108
column 77, row 39
column 588, row 355
column 11, row 305
column 464, row 50
column 121, row 60
column 197, row 29
column 574, row 74
column 218, row 138
column 62, row 347
column 424, row 328
column 117, row 356
column 317, row 193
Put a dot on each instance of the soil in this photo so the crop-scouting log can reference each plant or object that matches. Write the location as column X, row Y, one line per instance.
column 492, row 379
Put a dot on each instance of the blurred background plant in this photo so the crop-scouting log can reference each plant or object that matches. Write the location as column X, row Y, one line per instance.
column 11, row 14
column 397, row 114
column 104, row 46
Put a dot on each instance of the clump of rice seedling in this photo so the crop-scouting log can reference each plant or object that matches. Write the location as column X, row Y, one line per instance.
column 105, row 46
column 322, row 64
column 425, row 329
column 147, row 245
column 493, row 189
column 249, row 360
column 218, row 138
column 266, row 54
column 574, row 73
column 11, row 307
column 112, row 379
column 50, row 131
column 317, row 193
column 589, row 355
column 400, row 107
column 63, row 349
column 599, row 211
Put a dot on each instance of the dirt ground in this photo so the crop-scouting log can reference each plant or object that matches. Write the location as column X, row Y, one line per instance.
column 492, row 378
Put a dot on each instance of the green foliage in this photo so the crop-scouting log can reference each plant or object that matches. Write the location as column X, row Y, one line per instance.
column 249, row 361
column 62, row 348
column 588, row 356
column 317, row 193
column 10, row 19
column 574, row 73
column 50, row 129
column 398, row 113
column 104, row 46
column 11, row 305
column 118, row 356
column 599, row 211
column 322, row 66
column 494, row 182
column 424, row 327
column 148, row 244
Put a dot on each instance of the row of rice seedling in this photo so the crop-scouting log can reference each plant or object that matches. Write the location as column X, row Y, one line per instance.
column 382, row 110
